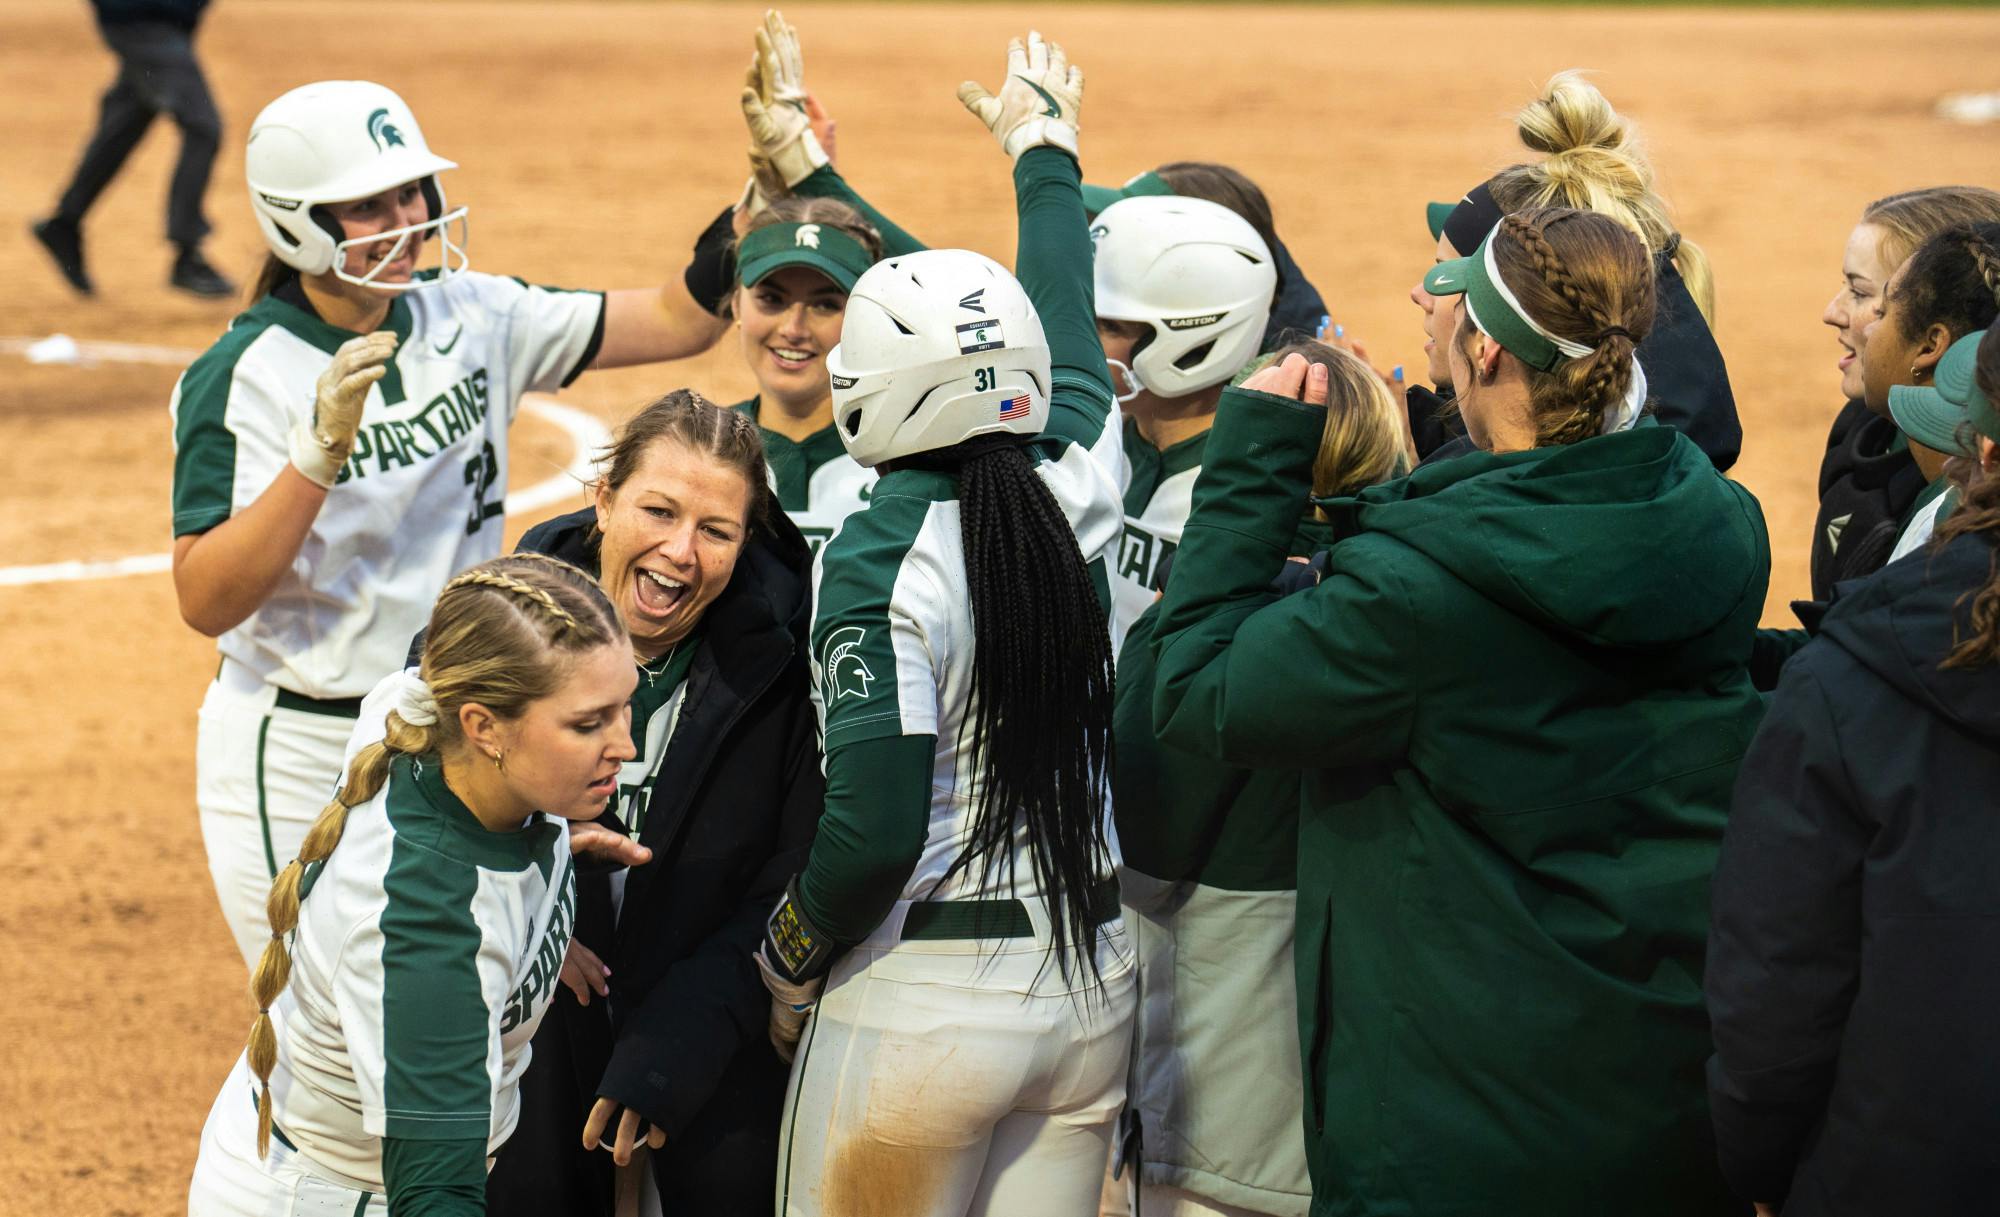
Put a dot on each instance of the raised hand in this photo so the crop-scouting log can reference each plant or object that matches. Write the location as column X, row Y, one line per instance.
column 774, row 106
column 320, row 444
column 1039, row 102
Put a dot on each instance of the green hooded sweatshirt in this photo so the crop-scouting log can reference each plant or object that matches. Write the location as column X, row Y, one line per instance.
column 1520, row 699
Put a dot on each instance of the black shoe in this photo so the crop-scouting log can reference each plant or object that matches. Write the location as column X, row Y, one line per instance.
column 64, row 241
column 193, row 274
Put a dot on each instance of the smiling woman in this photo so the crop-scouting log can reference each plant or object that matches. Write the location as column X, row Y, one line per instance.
column 711, row 585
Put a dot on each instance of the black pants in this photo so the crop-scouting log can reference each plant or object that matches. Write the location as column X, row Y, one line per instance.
column 157, row 74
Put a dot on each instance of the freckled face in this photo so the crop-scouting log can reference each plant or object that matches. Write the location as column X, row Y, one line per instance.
column 789, row 320
column 672, row 535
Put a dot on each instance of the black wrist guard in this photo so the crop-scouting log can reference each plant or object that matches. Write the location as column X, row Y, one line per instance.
column 711, row 274
column 793, row 945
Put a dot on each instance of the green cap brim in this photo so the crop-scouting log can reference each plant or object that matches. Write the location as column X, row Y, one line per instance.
column 820, row 247
column 1491, row 309
column 1097, row 198
column 1453, row 277
column 1923, row 414
column 1435, row 214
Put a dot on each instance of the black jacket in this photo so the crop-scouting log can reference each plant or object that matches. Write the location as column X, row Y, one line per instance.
column 1853, row 970
column 181, row 14
column 1685, row 378
column 731, row 818
column 1867, row 486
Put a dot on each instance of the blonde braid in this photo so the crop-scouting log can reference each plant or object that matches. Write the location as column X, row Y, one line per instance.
column 503, row 582
column 365, row 777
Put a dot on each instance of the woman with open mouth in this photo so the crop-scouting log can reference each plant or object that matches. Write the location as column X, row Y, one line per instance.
column 662, row 1041
column 342, row 450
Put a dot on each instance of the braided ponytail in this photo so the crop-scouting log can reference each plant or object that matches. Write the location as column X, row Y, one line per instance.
column 496, row 637
column 1040, row 691
column 1953, row 280
column 1585, row 278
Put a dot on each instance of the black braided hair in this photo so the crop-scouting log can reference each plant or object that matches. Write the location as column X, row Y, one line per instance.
column 1952, row 280
column 1041, row 689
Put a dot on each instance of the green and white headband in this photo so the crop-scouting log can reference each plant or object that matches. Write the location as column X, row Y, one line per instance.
column 1496, row 310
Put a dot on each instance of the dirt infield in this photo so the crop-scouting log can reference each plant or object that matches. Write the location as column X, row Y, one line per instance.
column 596, row 140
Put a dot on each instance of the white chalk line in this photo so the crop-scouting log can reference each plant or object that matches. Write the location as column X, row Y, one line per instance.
column 586, row 436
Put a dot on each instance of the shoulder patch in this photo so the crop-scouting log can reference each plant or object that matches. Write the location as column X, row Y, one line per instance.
column 846, row 671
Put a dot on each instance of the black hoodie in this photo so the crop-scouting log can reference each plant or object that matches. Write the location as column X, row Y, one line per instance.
column 1854, row 961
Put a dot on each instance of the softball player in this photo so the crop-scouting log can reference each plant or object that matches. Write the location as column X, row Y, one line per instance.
column 342, row 450
column 420, row 932
column 969, row 1052
column 794, row 268
column 1183, row 289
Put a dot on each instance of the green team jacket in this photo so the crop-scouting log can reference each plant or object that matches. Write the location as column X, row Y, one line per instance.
column 1211, row 854
column 1519, row 700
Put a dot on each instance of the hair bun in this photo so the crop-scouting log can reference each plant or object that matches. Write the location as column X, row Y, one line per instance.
column 1571, row 114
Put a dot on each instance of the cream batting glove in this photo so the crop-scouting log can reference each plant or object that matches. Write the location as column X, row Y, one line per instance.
column 320, row 444
column 791, row 1001
column 1038, row 104
column 774, row 105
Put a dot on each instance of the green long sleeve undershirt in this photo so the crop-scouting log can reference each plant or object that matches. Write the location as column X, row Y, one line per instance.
column 435, row 1178
column 826, row 183
column 878, row 812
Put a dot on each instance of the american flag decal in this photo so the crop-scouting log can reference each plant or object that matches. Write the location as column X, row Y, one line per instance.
column 1013, row 408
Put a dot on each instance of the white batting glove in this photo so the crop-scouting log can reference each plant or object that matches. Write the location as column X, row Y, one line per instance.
column 320, row 444
column 763, row 188
column 790, row 1003
column 1039, row 103
column 774, row 105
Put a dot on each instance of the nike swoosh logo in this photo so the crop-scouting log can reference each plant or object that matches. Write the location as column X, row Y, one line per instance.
column 446, row 348
column 1054, row 110
column 1438, row 282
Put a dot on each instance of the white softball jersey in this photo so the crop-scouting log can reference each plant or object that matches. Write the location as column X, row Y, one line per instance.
column 421, row 496
column 1158, row 500
column 427, row 951
column 892, row 636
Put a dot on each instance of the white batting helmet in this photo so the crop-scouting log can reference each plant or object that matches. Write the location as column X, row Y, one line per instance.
column 1198, row 274
column 333, row 142
column 937, row 347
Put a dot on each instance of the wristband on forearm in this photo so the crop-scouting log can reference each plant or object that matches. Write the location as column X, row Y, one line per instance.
column 711, row 273
column 796, row 948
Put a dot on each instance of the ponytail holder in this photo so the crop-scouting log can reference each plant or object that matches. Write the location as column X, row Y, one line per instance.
column 1672, row 247
column 413, row 701
column 1611, row 331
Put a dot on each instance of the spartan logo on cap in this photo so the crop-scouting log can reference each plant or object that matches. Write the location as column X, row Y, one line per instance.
column 1192, row 323
column 846, row 671
column 383, row 132
column 807, row 237
column 976, row 336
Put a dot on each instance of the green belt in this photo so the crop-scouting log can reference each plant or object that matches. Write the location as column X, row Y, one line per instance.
column 934, row 920
column 332, row 707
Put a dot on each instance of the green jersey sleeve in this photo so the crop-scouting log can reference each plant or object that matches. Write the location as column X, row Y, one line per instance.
column 1310, row 680
column 230, row 421
column 878, row 811
column 826, row 183
column 1053, row 263
column 874, row 671
column 435, row 1178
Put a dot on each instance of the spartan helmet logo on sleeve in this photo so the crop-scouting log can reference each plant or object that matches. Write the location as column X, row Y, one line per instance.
column 807, row 236
column 846, row 670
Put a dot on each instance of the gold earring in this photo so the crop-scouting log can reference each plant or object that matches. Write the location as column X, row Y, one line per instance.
column 499, row 760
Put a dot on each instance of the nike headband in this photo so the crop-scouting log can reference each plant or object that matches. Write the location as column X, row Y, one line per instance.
column 1495, row 310
column 823, row 247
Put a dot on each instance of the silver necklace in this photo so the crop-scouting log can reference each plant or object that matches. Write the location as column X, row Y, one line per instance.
column 664, row 661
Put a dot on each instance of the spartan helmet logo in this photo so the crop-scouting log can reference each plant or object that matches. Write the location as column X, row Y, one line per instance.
column 807, row 236
column 383, row 132
column 846, row 671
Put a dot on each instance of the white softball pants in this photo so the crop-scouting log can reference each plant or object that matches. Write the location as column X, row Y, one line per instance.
column 263, row 773
column 230, row 1180
column 957, row 1077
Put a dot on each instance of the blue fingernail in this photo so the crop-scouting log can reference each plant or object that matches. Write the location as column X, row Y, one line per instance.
column 1323, row 319
column 1396, row 373
column 1340, row 331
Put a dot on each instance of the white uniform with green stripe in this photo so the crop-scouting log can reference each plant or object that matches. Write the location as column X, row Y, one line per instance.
column 427, row 951
column 818, row 485
column 419, row 500
column 1158, row 499
column 892, row 632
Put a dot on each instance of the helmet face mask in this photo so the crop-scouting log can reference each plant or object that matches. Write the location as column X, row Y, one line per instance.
column 336, row 142
column 937, row 348
column 1194, row 272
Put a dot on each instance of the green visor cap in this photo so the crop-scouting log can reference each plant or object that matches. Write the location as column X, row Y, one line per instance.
column 1495, row 310
column 1435, row 214
column 1097, row 198
column 822, row 247
column 1932, row 414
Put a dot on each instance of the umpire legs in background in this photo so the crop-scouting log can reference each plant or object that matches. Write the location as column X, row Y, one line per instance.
column 157, row 74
